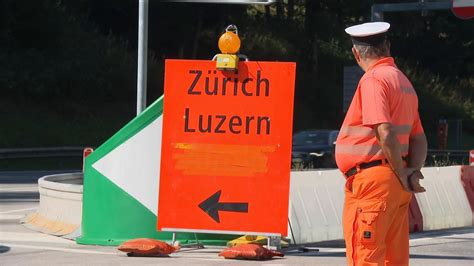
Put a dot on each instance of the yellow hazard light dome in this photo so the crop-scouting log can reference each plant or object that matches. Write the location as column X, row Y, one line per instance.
column 229, row 43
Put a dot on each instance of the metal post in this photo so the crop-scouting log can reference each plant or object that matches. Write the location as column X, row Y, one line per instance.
column 376, row 14
column 142, row 54
column 459, row 134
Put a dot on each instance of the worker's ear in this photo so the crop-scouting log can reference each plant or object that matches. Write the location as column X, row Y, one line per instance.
column 356, row 55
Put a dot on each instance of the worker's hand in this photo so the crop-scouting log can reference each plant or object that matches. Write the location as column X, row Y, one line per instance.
column 414, row 182
column 404, row 180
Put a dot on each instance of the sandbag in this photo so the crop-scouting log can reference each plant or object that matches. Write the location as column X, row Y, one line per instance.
column 147, row 247
column 249, row 252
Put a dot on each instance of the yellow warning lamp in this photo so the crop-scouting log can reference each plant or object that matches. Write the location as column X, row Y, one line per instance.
column 229, row 44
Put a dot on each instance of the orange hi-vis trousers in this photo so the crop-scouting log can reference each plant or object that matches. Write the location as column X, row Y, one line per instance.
column 375, row 218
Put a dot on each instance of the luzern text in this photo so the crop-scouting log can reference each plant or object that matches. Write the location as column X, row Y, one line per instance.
column 212, row 85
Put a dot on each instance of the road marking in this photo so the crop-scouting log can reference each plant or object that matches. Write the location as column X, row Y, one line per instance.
column 83, row 251
column 335, row 250
column 11, row 216
column 18, row 210
column 416, row 240
column 19, row 189
column 32, row 237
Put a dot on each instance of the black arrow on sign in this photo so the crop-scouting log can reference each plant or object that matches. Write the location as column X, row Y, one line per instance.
column 212, row 206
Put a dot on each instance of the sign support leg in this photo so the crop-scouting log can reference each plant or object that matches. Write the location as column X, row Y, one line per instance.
column 298, row 248
column 173, row 239
column 190, row 245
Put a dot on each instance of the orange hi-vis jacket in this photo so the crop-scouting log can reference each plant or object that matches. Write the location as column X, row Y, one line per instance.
column 384, row 95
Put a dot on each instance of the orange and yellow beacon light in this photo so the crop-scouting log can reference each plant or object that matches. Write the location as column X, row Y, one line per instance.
column 229, row 44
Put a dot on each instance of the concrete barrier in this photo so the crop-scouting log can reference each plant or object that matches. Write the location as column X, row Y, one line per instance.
column 316, row 202
column 60, row 208
column 317, row 198
column 444, row 204
column 467, row 179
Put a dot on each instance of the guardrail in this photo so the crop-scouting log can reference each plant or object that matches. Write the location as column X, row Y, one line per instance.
column 447, row 157
column 433, row 158
column 52, row 152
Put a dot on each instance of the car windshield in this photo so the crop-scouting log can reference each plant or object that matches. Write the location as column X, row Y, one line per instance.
column 311, row 138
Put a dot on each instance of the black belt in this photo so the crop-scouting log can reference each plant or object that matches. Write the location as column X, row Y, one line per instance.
column 361, row 166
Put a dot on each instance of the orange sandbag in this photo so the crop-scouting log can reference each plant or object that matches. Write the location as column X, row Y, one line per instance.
column 147, row 246
column 249, row 252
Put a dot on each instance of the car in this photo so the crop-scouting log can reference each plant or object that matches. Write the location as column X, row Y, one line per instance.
column 314, row 149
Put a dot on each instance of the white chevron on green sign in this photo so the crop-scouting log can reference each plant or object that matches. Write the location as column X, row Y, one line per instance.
column 134, row 165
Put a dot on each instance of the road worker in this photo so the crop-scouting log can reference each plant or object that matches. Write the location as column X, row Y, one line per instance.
column 380, row 150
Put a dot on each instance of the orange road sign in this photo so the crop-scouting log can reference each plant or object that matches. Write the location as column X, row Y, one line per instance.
column 226, row 148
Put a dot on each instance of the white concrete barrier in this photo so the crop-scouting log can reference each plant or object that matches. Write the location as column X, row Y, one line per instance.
column 317, row 198
column 60, row 208
column 316, row 202
column 444, row 204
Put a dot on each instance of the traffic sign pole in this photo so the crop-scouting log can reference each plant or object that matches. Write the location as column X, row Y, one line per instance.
column 142, row 60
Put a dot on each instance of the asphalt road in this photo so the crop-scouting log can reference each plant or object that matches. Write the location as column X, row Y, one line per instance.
column 21, row 246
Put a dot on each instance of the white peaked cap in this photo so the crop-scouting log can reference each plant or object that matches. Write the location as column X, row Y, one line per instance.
column 369, row 34
column 368, row 29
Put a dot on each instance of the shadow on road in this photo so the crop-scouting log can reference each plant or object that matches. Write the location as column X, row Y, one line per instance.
column 30, row 196
column 440, row 257
column 4, row 249
column 442, row 232
column 316, row 254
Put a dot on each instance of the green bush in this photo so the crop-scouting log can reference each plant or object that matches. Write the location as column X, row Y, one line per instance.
column 442, row 99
